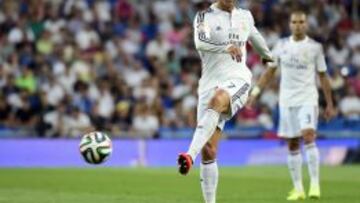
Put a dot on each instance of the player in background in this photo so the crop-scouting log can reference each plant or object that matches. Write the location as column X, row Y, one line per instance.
column 300, row 59
column 220, row 35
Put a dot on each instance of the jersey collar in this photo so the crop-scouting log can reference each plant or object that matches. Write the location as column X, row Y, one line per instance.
column 304, row 40
column 215, row 8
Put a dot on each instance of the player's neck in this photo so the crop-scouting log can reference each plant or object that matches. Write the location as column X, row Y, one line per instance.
column 297, row 38
column 224, row 7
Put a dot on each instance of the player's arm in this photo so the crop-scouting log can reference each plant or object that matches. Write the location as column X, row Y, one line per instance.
column 265, row 77
column 203, row 40
column 258, row 42
column 325, row 84
column 268, row 75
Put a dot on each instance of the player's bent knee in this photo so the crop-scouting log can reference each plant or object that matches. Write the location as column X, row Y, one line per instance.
column 220, row 101
column 308, row 136
column 208, row 152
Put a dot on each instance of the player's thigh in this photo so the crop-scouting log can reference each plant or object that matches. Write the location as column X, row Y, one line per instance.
column 238, row 91
column 203, row 105
column 288, row 123
column 308, row 119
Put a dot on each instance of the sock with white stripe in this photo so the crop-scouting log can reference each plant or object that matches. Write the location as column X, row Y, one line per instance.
column 209, row 175
column 295, row 166
column 204, row 130
column 313, row 162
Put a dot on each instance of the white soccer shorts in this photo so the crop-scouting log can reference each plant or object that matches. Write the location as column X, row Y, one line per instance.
column 295, row 119
column 238, row 91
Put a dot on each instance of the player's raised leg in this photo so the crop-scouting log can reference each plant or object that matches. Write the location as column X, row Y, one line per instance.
column 219, row 103
column 295, row 166
column 209, row 172
column 313, row 162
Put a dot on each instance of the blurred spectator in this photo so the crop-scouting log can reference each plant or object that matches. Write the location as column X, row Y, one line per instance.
column 270, row 96
column 121, row 118
column 353, row 40
column 77, row 123
column 247, row 117
column 53, row 90
column 54, row 24
column 104, row 105
column 44, row 45
column 145, row 123
column 350, row 105
column 54, row 121
column 355, row 83
column 26, row 80
column 25, row 116
column 338, row 53
column 20, row 33
column 87, row 38
column 134, row 74
column 146, row 92
column 265, row 119
column 157, row 50
column 5, row 112
column 337, row 81
column 355, row 59
column 81, row 98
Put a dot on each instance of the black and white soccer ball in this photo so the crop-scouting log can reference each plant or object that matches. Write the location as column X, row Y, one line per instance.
column 95, row 147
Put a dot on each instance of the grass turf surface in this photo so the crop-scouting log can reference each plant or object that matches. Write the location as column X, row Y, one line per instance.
column 164, row 185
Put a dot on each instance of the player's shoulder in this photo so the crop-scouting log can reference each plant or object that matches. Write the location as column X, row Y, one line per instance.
column 205, row 11
column 243, row 11
column 200, row 15
column 313, row 43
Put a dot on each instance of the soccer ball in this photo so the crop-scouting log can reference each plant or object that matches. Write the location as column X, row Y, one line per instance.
column 95, row 147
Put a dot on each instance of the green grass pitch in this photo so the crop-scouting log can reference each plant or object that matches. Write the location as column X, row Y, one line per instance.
column 164, row 185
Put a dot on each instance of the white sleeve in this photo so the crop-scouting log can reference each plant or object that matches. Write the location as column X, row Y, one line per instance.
column 320, row 60
column 257, row 41
column 202, row 37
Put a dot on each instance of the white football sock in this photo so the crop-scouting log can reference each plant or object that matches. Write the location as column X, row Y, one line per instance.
column 204, row 130
column 295, row 166
column 313, row 161
column 209, row 175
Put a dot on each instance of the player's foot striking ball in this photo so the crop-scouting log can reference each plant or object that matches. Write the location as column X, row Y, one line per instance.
column 184, row 163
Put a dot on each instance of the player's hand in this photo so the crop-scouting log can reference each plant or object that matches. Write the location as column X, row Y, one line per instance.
column 330, row 112
column 235, row 52
column 265, row 61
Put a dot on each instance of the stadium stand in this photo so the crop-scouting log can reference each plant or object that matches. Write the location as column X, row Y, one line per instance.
column 129, row 67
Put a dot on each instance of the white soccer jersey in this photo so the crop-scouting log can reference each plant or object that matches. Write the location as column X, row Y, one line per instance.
column 214, row 30
column 299, row 62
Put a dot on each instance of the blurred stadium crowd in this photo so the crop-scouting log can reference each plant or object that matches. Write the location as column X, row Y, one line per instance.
column 130, row 67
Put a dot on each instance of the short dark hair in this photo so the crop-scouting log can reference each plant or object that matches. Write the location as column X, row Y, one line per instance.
column 298, row 12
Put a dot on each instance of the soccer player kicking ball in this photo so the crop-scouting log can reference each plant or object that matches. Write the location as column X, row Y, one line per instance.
column 299, row 58
column 220, row 35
